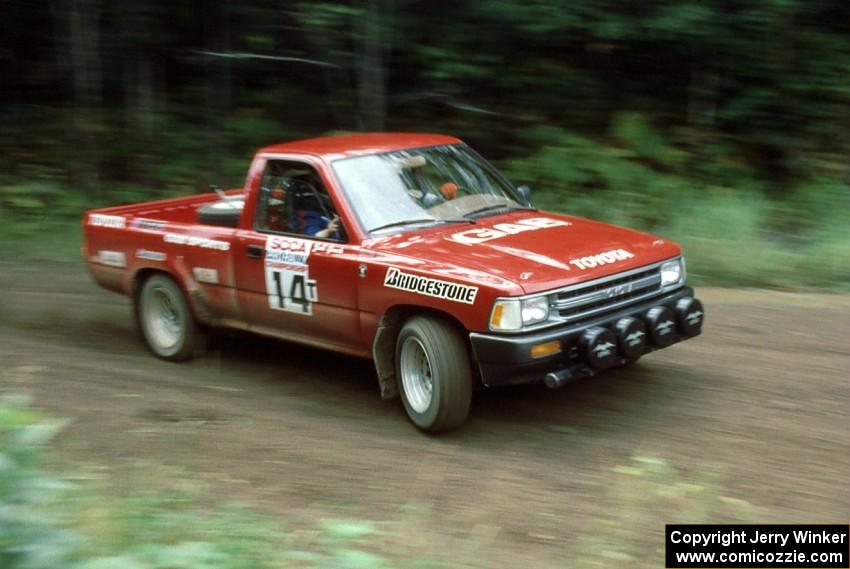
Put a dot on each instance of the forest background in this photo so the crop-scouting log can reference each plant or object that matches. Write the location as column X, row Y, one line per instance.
column 721, row 124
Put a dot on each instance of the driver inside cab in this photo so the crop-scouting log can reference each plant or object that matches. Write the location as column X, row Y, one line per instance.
column 292, row 207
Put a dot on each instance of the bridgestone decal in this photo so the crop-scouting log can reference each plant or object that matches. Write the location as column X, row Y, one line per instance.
column 430, row 287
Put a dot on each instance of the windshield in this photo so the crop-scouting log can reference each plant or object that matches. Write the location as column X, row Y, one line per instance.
column 423, row 186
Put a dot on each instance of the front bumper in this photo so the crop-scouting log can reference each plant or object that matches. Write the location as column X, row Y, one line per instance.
column 506, row 359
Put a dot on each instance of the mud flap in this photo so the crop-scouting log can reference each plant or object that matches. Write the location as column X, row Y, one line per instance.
column 383, row 354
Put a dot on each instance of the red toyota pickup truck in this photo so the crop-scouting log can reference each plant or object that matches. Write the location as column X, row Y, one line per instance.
column 408, row 249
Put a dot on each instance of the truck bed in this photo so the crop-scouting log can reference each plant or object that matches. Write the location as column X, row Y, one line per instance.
column 120, row 241
column 178, row 210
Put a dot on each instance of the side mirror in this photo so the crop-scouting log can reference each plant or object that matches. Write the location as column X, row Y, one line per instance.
column 525, row 194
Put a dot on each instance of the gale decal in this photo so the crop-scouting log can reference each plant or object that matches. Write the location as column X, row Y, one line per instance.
column 194, row 241
column 693, row 317
column 288, row 282
column 147, row 224
column 663, row 328
column 204, row 275
column 112, row 259
column 150, row 255
column 430, row 287
column 473, row 236
column 604, row 350
column 634, row 338
column 101, row 220
column 600, row 259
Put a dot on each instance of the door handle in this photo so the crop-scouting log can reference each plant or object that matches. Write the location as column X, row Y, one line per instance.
column 255, row 251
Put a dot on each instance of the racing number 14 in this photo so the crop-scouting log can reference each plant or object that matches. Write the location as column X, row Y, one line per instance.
column 293, row 292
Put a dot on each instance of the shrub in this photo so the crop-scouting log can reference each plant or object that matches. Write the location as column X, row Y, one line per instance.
column 32, row 535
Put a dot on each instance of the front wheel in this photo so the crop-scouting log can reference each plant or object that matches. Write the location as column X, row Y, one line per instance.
column 167, row 322
column 434, row 374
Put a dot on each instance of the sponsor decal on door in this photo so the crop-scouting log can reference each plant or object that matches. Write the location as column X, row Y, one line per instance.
column 288, row 283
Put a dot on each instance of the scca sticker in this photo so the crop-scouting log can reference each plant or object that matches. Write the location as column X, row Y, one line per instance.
column 430, row 287
column 288, row 283
column 499, row 230
column 605, row 258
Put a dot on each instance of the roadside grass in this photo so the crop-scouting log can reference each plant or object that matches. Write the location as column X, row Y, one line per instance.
column 68, row 522
column 40, row 240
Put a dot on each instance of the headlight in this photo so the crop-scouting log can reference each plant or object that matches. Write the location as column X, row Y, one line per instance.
column 511, row 314
column 673, row 272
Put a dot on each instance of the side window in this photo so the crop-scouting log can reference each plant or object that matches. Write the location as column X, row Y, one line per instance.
column 294, row 201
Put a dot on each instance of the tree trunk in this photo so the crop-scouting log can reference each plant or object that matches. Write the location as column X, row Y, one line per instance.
column 371, row 88
column 217, row 86
column 84, row 39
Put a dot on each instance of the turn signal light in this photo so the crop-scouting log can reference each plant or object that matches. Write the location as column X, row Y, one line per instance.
column 545, row 349
column 496, row 318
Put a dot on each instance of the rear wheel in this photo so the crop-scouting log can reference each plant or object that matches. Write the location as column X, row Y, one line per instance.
column 166, row 321
column 434, row 374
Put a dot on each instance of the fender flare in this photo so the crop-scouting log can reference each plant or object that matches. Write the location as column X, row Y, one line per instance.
column 383, row 346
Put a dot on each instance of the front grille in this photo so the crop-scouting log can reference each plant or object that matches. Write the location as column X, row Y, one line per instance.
column 594, row 298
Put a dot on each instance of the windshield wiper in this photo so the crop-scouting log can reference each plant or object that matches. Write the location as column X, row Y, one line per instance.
column 505, row 206
column 432, row 221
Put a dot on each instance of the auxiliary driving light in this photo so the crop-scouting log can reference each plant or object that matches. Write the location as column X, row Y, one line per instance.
column 662, row 326
column 631, row 336
column 690, row 315
column 599, row 347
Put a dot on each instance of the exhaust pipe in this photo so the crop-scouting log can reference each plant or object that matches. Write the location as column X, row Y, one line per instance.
column 560, row 378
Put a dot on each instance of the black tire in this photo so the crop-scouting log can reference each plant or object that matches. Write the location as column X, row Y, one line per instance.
column 427, row 343
column 165, row 319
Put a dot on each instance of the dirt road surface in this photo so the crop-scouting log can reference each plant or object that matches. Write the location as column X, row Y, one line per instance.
column 761, row 401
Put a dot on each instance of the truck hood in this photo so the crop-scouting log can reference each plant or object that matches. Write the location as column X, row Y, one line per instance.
column 534, row 250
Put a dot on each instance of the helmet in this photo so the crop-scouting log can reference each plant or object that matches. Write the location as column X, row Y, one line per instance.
column 278, row 193
column 449, row 190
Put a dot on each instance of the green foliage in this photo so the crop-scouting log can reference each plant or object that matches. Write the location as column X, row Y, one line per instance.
column 31, row 532
column 47, row 524
column 169, row 533
column 635, row 113
column 701, row 197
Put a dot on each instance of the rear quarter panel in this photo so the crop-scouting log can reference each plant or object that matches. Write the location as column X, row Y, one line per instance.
column 119, row 246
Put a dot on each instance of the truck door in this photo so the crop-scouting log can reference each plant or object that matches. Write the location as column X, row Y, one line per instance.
column 296, row 275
